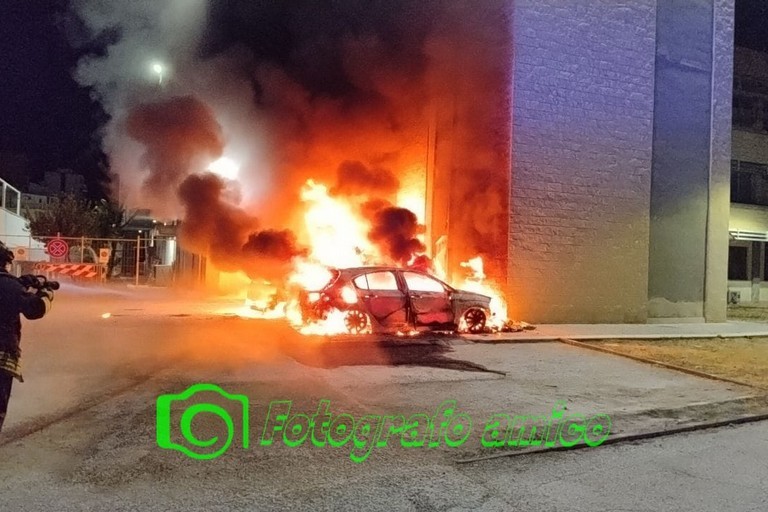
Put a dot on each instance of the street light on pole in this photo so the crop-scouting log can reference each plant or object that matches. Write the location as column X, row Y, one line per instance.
column 159, row 70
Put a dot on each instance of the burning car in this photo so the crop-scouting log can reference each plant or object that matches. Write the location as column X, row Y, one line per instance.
column 395, row 300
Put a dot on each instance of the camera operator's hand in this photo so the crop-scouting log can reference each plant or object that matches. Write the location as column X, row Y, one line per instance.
column 43, row 292
column 28, row 281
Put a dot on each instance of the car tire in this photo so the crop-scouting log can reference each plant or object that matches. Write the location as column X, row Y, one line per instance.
column 474, row 320
column 356, row 321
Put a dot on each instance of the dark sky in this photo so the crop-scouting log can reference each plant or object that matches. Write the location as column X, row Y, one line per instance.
column 44, row 114
column 47, row 117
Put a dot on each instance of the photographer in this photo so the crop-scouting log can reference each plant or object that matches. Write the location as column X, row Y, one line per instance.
column 15, row 300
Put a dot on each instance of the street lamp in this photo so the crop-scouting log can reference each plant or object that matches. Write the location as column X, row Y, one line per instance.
column 159, row 70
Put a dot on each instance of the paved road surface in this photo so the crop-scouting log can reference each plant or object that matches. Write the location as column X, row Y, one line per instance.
column 81, row 431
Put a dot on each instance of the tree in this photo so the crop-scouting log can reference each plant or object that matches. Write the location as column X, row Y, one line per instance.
column 69, row 217
column 110, row 218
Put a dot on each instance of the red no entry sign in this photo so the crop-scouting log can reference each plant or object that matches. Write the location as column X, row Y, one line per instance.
column 57, row 248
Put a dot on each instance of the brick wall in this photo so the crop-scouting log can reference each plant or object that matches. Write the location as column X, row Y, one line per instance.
column 583, row 101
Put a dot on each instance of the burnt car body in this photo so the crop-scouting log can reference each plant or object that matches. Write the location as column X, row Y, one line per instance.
column 393, row 299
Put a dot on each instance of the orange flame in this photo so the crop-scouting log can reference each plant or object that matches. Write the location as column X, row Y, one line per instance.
column 476, row 283
column 337, row 236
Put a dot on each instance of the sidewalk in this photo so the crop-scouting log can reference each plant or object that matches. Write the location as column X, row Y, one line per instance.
column 545, row 332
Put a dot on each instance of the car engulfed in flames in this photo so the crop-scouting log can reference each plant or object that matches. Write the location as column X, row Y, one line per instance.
column 358, row 273
column 393, row 300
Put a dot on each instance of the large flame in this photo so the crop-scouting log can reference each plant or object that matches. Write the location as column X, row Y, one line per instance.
column 336, row 232
column 336, row 235
column 476, row 282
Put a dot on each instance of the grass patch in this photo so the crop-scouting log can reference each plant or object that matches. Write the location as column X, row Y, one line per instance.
column 742, row 359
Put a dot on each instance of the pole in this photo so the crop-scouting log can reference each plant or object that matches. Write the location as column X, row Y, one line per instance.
column 82, row 248
column 138, row 253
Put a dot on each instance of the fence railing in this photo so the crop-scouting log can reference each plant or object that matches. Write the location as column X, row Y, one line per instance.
column 143, row 260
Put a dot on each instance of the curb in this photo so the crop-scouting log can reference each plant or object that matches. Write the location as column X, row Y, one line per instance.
column 625, row 438
column 510, row 337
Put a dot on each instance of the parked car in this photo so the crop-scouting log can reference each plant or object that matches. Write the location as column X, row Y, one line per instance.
column 391, row 299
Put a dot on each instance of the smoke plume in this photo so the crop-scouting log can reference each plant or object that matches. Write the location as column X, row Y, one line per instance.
column 180, row 137
column 394, row 230
column 230, row 236
column 355, row 179
column 368, row 95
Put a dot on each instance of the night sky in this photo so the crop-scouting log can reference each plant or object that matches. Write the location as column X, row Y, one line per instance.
column 52, row 121
column 44, row 114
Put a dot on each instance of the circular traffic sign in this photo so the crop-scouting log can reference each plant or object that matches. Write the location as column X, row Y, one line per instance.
column 57, row 248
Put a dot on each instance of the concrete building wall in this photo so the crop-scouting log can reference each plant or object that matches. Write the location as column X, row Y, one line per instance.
column 718, row 208
column 13, row 229
column 691, row 158
column 748, row 217
column 583, row 101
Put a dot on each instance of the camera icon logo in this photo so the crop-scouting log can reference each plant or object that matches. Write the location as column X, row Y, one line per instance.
column 201, row 449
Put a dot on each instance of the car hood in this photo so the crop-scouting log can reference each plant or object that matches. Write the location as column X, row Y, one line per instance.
column 470, row 296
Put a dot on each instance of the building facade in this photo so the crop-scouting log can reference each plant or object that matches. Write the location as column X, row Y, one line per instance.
column 620, row 171
column 748, row 224
column 32, row 204
column 13, row 225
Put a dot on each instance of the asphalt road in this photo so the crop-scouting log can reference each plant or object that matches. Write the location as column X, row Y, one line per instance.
column 81, row 433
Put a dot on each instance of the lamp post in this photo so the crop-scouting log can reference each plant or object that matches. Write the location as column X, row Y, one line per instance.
column 159, row 70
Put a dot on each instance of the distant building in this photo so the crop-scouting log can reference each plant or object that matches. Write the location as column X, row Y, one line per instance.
column 52, row 182
column 75, row 184
column 748, row 223
column 32, row 204
column 62, row 181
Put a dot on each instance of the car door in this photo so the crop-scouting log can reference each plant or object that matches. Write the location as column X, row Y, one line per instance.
column 429, row 300
column 383, row 299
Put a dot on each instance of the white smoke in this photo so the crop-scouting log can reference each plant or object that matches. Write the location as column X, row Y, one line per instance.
column 140, row 35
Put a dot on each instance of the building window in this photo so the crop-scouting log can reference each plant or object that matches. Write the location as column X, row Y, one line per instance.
column 738, row 263
column 749, row 183
column 741, row 187
column 379, row 281
column 422, row 283
column 11, row 199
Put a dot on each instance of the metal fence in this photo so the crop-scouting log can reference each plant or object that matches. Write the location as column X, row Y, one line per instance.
column 141, row 260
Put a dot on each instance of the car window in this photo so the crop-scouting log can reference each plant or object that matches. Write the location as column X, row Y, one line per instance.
column 381, row 281
column 422, row 283
column 361, row 282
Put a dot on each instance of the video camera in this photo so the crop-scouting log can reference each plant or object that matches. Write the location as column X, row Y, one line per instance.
column 38, row 282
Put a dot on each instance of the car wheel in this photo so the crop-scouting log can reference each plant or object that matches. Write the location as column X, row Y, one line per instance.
column 355, row 321
column 474, row 319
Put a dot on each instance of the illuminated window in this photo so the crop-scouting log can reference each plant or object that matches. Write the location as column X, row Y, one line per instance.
column 422, row 283
column 381, row 281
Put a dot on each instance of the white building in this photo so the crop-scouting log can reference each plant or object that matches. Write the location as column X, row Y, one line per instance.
column 13, row 226
column 748, row 225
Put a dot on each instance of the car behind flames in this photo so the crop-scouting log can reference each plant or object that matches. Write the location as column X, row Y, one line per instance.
column 392, row 299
